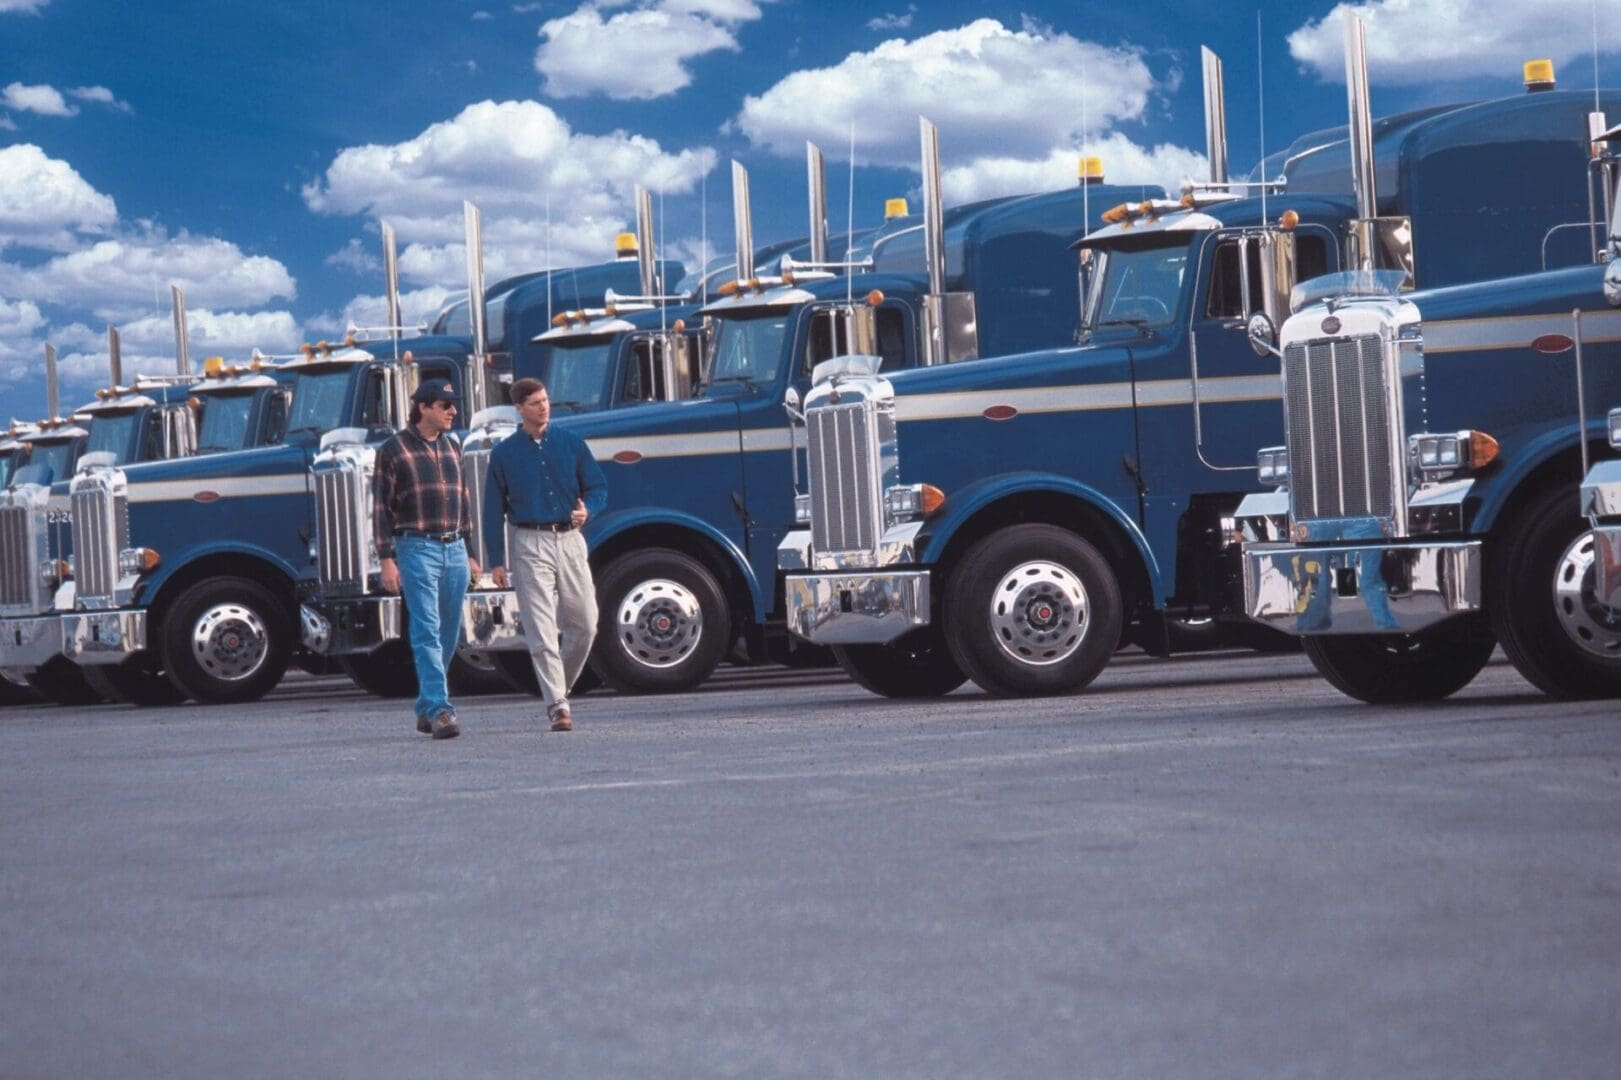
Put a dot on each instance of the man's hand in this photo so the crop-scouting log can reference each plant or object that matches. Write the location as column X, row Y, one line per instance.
column 577, row 518
column 472, row 569
column 391, row 576
column 499, row 575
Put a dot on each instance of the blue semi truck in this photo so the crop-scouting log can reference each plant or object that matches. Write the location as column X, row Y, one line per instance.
column 1426, row 502
column 1015, row 521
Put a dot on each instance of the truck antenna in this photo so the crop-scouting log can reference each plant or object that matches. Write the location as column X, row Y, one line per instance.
column 664, row 300
column 703, row 240
column 1086, row 194
column 549, row 258
column 1260, row 94
column 850, row 219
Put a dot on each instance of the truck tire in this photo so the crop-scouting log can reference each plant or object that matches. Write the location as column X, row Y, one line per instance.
column 62, row 682
column 134, row 682
column 1540, row 596
column 1402, row 669
column 915, row 665
column 386, row 672
column 1031, row 610
column 226, row 640
column 663, row 623
column 473, row 673
column 16, row 694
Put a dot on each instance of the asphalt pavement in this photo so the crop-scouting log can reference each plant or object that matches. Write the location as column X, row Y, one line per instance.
column 1211, row 866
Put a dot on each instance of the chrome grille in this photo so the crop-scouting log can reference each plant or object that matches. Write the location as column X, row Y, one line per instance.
column 98, row 527
column 1339, row 429
column 342, row 526
column 846, row 506
column 22, row 552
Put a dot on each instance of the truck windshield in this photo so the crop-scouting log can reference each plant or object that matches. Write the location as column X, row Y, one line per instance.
column 747, row 351
column 112, row 431
column 318, row 401
column 223, row 424
column 56, row 455
column 576, row 374
column 1139, row 287
column 7, row 459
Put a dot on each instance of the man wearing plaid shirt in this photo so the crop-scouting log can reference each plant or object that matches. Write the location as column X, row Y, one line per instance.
column 423, row 527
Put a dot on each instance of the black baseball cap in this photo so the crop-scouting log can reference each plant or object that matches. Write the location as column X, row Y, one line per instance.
column 434, row 390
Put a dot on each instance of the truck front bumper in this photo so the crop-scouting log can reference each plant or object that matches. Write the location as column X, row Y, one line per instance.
column 103, row 637
column 1361, row 588
column 1601, row 498
column 491, row 623
column 340, row 627
column 29, row 641
column 857, row 607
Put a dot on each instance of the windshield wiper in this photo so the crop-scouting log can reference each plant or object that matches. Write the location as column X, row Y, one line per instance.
column 743, row 380
column 571, row 406
column 1139, row 321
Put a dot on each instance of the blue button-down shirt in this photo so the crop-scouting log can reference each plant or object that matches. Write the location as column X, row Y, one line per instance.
column 536, row 481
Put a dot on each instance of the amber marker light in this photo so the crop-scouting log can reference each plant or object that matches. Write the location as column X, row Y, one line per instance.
column 930, row 499
column 729, row 289
column 894, row 208
column 408, row 358
column 1116, row 214
column 875, row 298
column 1288, row 220
column 1482, row 449
column 679, row 325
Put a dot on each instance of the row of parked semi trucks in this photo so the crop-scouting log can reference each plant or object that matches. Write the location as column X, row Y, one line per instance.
column 1346, row 400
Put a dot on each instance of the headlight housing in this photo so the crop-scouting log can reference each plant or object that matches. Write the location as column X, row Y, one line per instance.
column 1443, row 454
column 1615, row 428
column 1273, row 465
column 905, row 502
column 802, row 513
column 137, row 561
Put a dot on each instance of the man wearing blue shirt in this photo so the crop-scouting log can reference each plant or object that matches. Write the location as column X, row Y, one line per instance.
column 546, row 483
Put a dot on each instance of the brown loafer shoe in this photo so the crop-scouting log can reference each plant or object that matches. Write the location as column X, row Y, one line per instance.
column 445, row 727
column 424, row 725
column 563, row 721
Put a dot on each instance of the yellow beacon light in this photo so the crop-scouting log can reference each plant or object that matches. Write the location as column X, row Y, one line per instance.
column 1538, row 75
column 1090, row 170
column 894, row 208
column 214, row 365
column 625, row 244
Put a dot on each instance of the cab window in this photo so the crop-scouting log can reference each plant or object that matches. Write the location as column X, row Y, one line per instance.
column 1226, row 299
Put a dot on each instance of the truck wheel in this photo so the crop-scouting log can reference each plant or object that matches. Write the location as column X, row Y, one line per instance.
column 916, row 665
column 61, row 681
column 473, row 672
column 226, row 640
column 136, row 681
column 386, row 672
column 1400, row 669
column 1540, row 595
column 1032, row 609
column 16, row 693
column 664, row 623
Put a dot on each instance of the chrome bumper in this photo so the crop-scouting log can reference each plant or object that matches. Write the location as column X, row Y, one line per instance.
column 857, row 607
column 29, row 641
column 1601, row 498
column 103, row 637
column 490, row 621
column 1361, row 588
column 351, row 625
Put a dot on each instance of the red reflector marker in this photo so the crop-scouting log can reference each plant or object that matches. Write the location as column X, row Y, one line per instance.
column 628, row 457
column 207, row 496
column 1553, row 343
column 1001, row 412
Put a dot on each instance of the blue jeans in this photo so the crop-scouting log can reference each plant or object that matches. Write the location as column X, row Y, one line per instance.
column 433, row 581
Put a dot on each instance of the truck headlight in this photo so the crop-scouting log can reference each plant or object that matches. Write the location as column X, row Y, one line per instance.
column 55, row 571
column 1273, row 465
column 907, row 501
column 1615, row 428
column 1454, row 451
column 802, row 510
column 137, row 561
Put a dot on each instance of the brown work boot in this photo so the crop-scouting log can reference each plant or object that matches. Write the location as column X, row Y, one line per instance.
column 445, row 727
column 562, row 721
column 424, row 725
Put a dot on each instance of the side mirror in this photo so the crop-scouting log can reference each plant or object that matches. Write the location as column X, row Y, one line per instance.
column 790, row 404
column 1263, row 336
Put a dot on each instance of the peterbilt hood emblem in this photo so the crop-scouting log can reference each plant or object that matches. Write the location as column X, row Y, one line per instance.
column 1331, row 325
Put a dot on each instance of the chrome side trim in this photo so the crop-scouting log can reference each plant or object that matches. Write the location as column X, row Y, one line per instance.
column 491, row 622
column 103, row 637
column 863, row 608
column 1601, row 490
column 1607, row 566
column 338, row 627
column 1361, row 589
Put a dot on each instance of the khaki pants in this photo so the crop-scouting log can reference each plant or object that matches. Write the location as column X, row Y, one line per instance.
column 558, row 603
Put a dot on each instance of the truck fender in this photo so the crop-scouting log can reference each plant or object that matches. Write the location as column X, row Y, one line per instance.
column 963, row 505
column 617, row 522
column 1538, row 452
column 168, row 568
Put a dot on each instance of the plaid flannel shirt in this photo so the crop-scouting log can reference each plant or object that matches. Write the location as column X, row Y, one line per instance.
column 417, row 485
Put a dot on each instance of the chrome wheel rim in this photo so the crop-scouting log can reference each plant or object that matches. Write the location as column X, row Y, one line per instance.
column 1594, row 628
column 1039, row 613
column 660, row 623
column 229, row 642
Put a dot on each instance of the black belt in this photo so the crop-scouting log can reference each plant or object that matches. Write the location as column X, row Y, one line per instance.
column 545, row 526
column 444, row 537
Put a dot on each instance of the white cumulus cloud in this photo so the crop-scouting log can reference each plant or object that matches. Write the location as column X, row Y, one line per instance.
column 638, row 54
column 20, row 318
column 22, row 7
column 100, row 95
column 893, row 20
column 44, row 202
column 1422, row 41
column 417, row 307
column 42, row 99
column 1021, row 92
column 1124, row 162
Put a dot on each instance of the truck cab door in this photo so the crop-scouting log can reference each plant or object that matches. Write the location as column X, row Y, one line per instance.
column 1236, row 393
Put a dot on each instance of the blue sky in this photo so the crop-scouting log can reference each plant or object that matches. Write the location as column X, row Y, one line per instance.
column 248, row 151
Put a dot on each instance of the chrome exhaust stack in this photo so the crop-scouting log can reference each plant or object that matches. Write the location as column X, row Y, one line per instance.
column 53, row 399
column 742, row 222
column 1215, row 117
column 646, row 267
column 1376, row 243
column 950, row 322
column 816, row 184
column 182, row 357
column 391, row 282
column 115, row 357
column 476, row 375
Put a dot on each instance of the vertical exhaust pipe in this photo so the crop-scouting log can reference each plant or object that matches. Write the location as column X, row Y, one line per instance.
column 1361, row 127
column 816, row 178
column 475, row 307
column 391, row 282
column 115, row 357
column 645, row 264
column 52, row 400
column 1215, row 116
column 934, row 238
column 182, row 355
column 742, row 222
